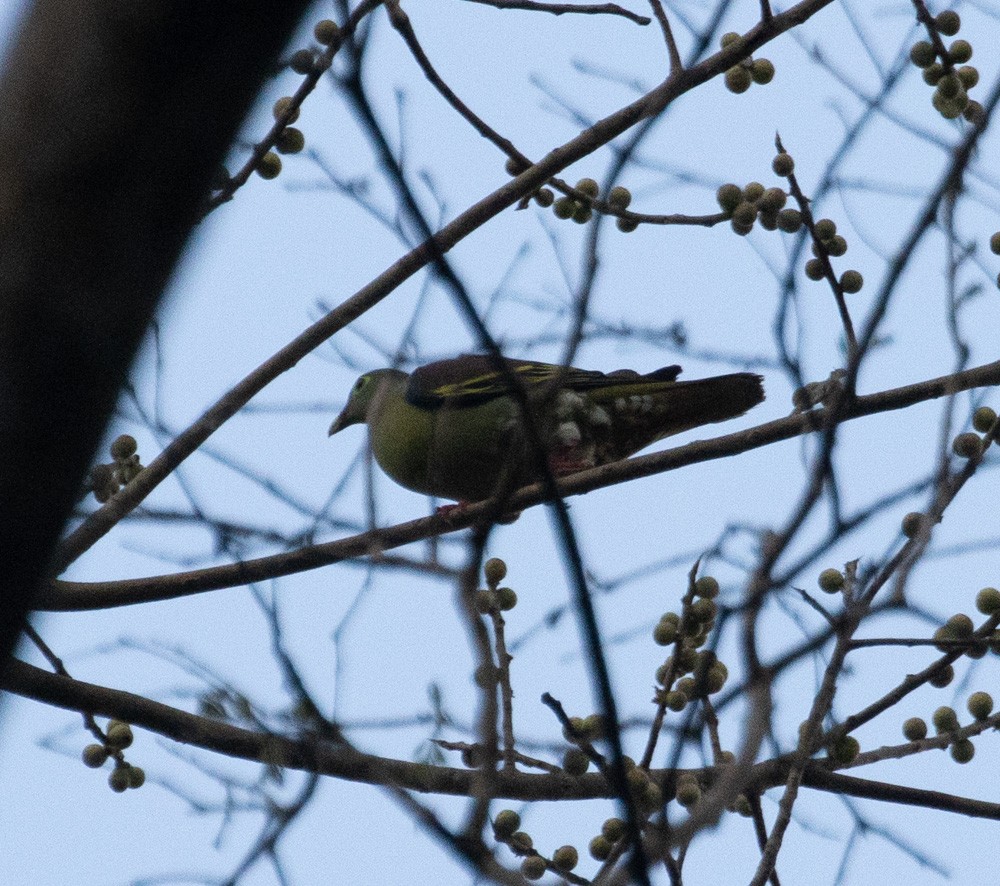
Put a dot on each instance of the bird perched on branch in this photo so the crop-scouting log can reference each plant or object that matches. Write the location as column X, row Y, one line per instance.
column 455, row 429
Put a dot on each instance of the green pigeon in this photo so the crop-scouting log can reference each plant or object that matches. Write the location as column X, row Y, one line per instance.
column 453, row 429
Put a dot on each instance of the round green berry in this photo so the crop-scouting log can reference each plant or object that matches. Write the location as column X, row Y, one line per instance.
column 943, row 633
column 600, row 848
column 565, row 858
column 943, row 676
column 269, row 166
column 619, row 197
column 960, row 51
column 301, row 61
column 949, row 85
column 968, row 75
column 533, row 867
column 506, row 599
column 988, row 601
column 962, row 751
column 831, row 581
column 284, row 105
column 704, row 610
column 729, row 196
column 506, row 823
column 745, row 213
column 762, row 71
column 912, row 524
column 119, row 735
column 738, row 79
column 664, row 633
column 676, row 701
column 521, row 842
column 851, row 281
column 290, row 141
column 627, row 225
column 118, row 780
column 663, row 672
column 715, row 677
column 825, row 228
column 790, row 220
column 768, row 220
column 983, row 419
column 948, row 22
column 485, row 676
column 922, row 54
column 485, row 602
column 575, row 761
column 686, row 686
column 945, row 719
column 651, row 797
column 495, row 571
column 836, row 246
column 136, row 777
column 980, row 705
column 950, row 109
column 103, row 482
column 593, row 726
column 741, row 228
column 783, row 164
column 967, row 445
column 706, row 587
column 326, row 32
column 845, row 750
column 589, row 187
column 933, row 73
column 564, row 207
column 772, row 200
column 637, row 778
column 94, row 756
column 753, row 191
column 582, row 214
column 123, row 447
column 974, row 112
column 815, row 269
column 613, row 829
column 544, row 197
column 977, row 649
column 730, row 38
column 960, row 626
column 688, row 793
column 915, row 729
column 687, row 657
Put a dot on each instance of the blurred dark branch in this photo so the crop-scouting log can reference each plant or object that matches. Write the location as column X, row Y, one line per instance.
column 109, row 146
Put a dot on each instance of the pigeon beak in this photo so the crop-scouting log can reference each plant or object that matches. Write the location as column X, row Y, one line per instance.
column 338, row 425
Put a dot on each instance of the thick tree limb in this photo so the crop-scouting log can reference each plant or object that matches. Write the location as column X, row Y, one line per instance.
column 115, row 116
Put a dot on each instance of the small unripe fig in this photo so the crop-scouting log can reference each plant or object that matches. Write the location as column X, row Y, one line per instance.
column 915, row 729
column 831, row 580
column 506, row 823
